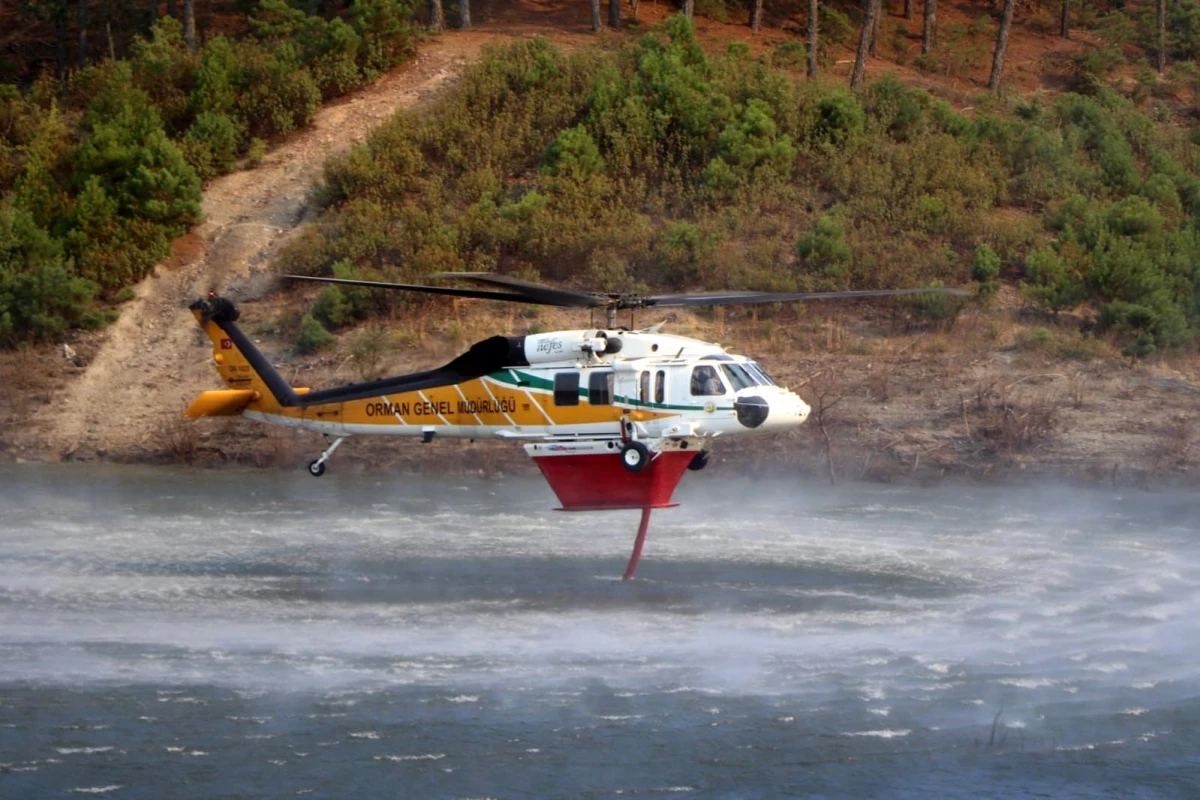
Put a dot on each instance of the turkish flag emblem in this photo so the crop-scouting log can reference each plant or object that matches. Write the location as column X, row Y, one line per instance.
column 226, row 344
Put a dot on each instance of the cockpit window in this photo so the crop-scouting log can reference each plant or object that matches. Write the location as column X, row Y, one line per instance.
column 706, row 382
column 758, row 372
column 738, row 376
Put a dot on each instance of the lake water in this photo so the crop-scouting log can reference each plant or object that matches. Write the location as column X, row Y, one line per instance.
column 173, row 633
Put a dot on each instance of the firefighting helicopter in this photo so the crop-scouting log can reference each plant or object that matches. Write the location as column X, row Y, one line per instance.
column 612, row 416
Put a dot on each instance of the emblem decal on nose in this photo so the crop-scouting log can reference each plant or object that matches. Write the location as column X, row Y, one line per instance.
column 751, row 411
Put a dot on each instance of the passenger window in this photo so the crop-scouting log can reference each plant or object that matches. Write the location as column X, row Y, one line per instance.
column 660, row 381
column 600, row 388
column 644, row 388
column 706, row 382
column 566, row 389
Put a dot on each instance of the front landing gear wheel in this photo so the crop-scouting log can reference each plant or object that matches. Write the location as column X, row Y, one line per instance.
column 699, row 461
column 635, row 456
column 316, row 469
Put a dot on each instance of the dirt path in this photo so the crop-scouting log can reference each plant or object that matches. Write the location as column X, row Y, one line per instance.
column 151, row 363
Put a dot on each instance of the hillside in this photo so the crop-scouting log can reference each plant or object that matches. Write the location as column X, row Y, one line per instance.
column 1003, row 389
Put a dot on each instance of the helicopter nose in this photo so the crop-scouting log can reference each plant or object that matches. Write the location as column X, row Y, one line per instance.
column 780, row 410
column 801, row 410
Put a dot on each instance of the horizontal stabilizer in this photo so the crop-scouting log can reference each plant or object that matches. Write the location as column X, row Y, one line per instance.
column 222, row 403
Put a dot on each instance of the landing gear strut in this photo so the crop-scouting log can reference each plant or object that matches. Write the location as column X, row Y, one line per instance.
column 637, row 545
column 317, row 468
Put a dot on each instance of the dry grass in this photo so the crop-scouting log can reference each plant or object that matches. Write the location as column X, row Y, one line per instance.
column 1014, row 422
column 176, row 440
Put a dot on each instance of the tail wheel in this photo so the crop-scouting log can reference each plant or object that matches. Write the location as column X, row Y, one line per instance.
column 635, row 456
column 699, row 461
column 316, row 469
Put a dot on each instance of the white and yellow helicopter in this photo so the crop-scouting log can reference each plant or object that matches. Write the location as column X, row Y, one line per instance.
column 611, row 416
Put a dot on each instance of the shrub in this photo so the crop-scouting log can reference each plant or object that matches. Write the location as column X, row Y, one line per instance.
column 825, row 248
column 941, row 309
column 1092, row 66
column 896, row 109
column 749, row 150
column 39, row 295
column 836, row 28
column 386, row 31
column 573, row 154
column 840, row 118
column 335, row 66
column 1053, row 283
column 985, row 270
column 275, row 96
column 211, row 144
column 790, row 55
column 313, row 336
column 166, row 71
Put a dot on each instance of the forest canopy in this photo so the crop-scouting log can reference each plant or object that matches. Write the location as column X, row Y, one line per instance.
column 98, row 172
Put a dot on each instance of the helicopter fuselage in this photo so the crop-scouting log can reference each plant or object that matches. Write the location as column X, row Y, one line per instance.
column 577, row 385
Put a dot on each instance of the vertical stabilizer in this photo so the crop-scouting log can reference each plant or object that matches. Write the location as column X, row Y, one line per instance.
column 241, row 365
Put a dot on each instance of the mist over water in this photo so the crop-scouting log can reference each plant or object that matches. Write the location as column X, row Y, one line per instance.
column 194, row 634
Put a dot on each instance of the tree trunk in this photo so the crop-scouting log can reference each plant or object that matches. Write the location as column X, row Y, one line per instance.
column 595, row 15
column 464, row 13
column 929, row 29
column 153, row 11
column 688, row 7
column 1001, row 45
column 908, row 9
column 1161, row 13
column 633, row 5
column 864, row 45
column 112, row 50
column 437, row 17
column 83, row 23
column 312, row 7
column 875, row 30
column 189, row 24
column 813, row 13
column 756, row 12
column 171, row 8
column 60, row 39
column 1064, row 29
column 614, row 14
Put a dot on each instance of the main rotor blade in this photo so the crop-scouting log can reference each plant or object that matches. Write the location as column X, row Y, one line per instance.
column 747, row 298
column 544, row 294
column 478, row 294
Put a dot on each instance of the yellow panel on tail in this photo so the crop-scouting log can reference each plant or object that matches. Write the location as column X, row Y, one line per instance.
column 222, row 403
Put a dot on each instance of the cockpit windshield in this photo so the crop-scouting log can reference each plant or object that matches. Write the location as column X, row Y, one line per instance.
column 739, row 377
column 759, row 373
